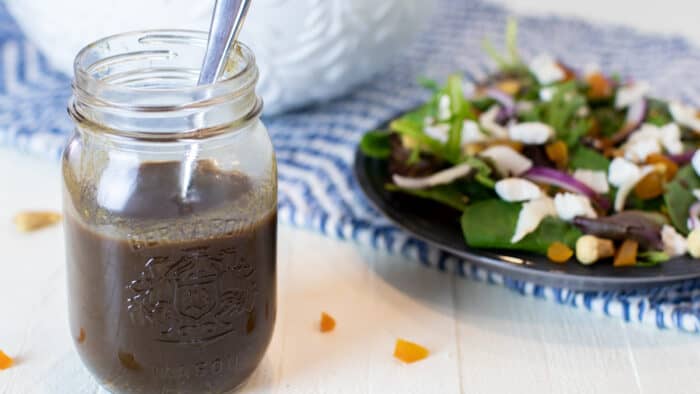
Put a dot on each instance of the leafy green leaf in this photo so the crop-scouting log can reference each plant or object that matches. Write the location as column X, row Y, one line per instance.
column 609, row 120
column 491, row 224
column 586, row 158
column 651, row 258
column 679, row 197
column 562, row 109
column 460, row 107
column 444, row 194
column 658, row 113
column 376, row 144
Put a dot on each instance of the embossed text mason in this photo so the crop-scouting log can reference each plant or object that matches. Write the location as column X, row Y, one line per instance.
column 170, row 196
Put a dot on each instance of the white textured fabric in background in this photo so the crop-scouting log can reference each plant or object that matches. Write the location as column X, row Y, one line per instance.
column 677, row 17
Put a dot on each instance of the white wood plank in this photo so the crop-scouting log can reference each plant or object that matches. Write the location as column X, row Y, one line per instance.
column 509, row 343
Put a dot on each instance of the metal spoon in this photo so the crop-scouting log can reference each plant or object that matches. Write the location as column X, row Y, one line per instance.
column 226, row 23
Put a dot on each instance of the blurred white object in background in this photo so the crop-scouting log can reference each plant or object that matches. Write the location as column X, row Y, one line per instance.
column 307, row 50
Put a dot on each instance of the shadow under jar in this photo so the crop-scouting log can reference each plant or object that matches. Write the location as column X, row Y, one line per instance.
column 170, row 197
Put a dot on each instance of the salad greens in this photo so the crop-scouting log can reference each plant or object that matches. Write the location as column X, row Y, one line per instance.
column 544, row 158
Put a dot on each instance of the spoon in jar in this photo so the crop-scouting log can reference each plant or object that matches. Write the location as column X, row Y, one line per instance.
column 226, row 23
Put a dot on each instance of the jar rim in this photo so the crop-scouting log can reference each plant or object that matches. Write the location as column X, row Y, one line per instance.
column 123, row 83
column 81, row 65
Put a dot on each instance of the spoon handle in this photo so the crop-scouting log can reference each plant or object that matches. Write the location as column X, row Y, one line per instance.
column 226, row 23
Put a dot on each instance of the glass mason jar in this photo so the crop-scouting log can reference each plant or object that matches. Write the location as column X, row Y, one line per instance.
column 170, row 200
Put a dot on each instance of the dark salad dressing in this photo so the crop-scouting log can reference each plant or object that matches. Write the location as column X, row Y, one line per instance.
column 184, row 300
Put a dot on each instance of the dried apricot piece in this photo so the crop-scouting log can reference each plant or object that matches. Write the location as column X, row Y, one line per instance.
column 559, row 252
column 409, row 352
column 509, row 86
column 670, row 168
column 35, row 220
column 327, row 322
column 599, row 87
column 5, row 360
column 651, row 186
column 558, row 152
column 627, row 254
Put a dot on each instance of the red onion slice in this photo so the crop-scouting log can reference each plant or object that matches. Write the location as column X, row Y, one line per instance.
column 565, row 181
column 683, row 158
column 694, row 216
column 636, row 114
column 504, row 99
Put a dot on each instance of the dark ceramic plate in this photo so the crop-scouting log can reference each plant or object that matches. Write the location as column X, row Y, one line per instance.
column 439, row 226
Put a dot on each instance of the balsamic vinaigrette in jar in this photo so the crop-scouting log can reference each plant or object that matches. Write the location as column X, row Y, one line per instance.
column 187, row 305
column 170, row 200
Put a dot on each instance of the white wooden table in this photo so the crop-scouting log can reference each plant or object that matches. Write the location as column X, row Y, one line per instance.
column 483, row 339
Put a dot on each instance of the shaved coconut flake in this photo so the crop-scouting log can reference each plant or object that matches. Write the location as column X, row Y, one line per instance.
column 622, row 171
column 506, row 160
column 638, row 151
column 596, row 180
column 685, row 116
column 471, row 133
column 439, row 132
column 547, row 93
column 695, row 162
column 625, row 189
column 444, row 111
column 546, row 69
column 517, row 190
column 488, row 122
column 670, row 136
column 630, row 94
column 696, row 193
column 674, row 243
column 439, row 178
column 531, row 215
column 650, row 138
column 571, row 205
column 531, row 133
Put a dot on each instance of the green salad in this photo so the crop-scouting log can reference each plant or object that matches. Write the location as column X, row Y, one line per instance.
column 553, row 159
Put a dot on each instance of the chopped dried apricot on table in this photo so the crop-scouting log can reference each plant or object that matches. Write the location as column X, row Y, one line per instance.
column 35, row 220
column 409, row 352
column 5, row 360
column 559, row 252
column 327, row 322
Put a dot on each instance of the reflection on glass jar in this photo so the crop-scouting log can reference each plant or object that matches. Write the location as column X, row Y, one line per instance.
column 170, row 200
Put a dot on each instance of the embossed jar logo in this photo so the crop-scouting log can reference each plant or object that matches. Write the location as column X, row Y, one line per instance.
column 197, row 296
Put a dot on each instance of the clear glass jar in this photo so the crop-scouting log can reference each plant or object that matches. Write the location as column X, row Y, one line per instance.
column 170, row 196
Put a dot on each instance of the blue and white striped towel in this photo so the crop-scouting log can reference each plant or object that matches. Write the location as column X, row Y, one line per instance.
column 315, row 147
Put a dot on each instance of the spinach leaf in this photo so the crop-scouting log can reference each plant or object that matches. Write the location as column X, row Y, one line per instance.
column 491, row 224
column 586, row 158
column 679, row 197
column 444, row 194
column 376, row 144
column 608, row 120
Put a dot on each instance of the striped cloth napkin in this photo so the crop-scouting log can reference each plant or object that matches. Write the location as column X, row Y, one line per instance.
column 315, row 147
